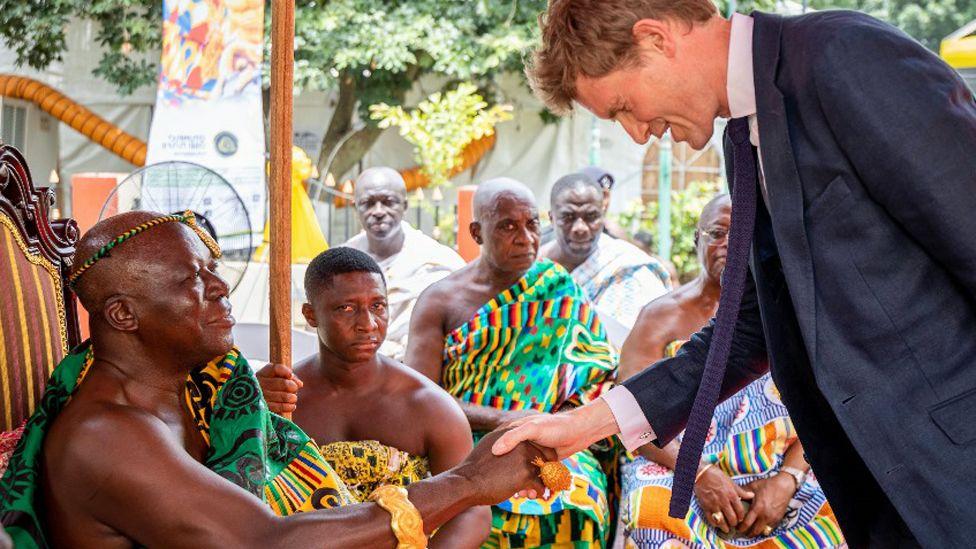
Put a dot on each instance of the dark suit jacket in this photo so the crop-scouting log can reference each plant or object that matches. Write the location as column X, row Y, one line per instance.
column 864, row 266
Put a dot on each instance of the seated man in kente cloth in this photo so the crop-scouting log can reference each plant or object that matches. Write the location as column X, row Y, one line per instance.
column 617, row 276
column 753, row 487
column 142, row 438
column 411, row 261
column 510, row 336
column 375, row 420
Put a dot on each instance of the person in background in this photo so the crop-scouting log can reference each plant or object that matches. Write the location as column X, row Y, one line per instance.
column 753, row 485
column 411, row 261
column 512, row 336
column 617, row 276
column 375, row 420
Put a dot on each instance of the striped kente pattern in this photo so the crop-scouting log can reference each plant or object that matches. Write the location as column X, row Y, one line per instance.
column 539, row 345
column 33, row 329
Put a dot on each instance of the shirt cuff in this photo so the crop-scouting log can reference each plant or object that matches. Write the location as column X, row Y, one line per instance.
column 635, row 430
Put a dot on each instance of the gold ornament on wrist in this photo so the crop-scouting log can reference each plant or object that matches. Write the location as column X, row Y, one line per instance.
column 405, row 520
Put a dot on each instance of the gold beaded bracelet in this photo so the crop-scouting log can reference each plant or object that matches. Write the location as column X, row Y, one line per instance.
column 405, row 520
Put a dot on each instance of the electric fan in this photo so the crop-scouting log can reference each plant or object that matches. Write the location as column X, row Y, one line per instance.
column 176, row 186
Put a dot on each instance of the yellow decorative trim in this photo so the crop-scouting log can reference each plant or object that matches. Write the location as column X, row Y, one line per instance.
column 22, row 319
column 52, row 269
column 405, row 520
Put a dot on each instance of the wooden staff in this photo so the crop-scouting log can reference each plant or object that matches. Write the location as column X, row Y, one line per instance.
column 279, row 188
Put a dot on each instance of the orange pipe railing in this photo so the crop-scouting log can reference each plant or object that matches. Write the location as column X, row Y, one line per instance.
column 94, row 127
column 133, row 150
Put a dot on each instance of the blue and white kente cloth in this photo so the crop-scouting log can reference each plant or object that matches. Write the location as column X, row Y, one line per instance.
column 620, row 279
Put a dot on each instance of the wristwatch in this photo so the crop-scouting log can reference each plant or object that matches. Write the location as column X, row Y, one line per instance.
column 798, row 475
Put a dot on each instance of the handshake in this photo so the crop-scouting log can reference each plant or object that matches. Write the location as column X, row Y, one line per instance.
column 513, row 459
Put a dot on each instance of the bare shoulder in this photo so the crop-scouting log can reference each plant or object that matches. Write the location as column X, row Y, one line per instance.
column 427, row 400
column 304, row 364
column 433, row 303
column 445, row 287
column 412, row 384
column 659, row 310
column 75, row 444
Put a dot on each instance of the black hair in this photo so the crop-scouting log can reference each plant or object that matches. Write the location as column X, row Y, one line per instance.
column 335, row 261
column 572, row 181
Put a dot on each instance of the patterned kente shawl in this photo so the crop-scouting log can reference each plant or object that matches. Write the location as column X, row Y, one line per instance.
column 748, row 439
column 538, row 345
column 261, row 452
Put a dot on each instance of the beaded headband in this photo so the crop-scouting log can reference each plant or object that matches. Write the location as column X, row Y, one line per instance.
column 187, row 218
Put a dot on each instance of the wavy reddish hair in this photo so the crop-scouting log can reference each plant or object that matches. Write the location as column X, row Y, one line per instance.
column 592, row 38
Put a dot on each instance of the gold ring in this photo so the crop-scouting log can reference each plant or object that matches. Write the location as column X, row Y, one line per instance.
column 717, row 516
column 767, row 530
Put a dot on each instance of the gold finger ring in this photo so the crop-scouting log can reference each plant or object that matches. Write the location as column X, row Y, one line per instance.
column 767, row 530
column 717, row 516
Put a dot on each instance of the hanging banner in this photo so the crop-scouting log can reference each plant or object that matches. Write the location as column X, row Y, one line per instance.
column 208, row 105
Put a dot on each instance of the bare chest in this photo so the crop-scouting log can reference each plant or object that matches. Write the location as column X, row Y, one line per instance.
column 388, row 419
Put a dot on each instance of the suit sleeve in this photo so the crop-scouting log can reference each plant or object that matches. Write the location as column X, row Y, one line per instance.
column 907, row 123
column 666, row 390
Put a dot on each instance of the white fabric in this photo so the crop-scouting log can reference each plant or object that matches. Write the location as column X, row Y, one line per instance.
column 421, row 262
column 620, row 278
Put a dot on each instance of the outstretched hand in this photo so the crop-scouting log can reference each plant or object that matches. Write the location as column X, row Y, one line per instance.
column 280, row 387
column 566, row 433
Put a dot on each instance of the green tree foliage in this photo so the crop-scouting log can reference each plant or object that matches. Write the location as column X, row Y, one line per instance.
column 442, row 125
column 374, row 51
column 686, row 206
column 35, row 30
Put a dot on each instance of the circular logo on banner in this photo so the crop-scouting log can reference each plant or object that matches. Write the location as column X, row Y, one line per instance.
column 225, row 143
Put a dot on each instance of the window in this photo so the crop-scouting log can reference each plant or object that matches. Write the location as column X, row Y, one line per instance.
column 13, row 126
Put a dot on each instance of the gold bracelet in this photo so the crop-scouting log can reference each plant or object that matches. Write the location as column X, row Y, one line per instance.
column 405, row 520
column 702, row 471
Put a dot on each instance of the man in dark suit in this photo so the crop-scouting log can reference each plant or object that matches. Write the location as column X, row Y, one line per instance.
column 858, row 237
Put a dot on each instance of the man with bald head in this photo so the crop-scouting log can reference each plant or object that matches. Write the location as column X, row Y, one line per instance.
column 617, row 276
column 144, row 438
column 510, row 335
column 411, row 261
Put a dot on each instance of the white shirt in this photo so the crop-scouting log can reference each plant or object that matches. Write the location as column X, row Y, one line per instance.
column 741, row 85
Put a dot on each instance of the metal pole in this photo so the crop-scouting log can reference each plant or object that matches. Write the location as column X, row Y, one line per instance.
column 664, row 197
column 594, row 141
column 331, row 218
column 282, row 76
column 346, row 210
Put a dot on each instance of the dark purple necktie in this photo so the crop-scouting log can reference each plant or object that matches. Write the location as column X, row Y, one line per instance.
column 744, row 180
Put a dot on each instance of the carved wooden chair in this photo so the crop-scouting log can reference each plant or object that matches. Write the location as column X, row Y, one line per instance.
column 38, row 312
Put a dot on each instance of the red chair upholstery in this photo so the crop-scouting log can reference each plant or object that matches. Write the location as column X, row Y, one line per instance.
column 38, row 314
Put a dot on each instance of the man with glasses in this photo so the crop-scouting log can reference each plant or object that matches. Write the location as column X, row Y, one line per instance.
column 411, row 261
column 739, row 491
